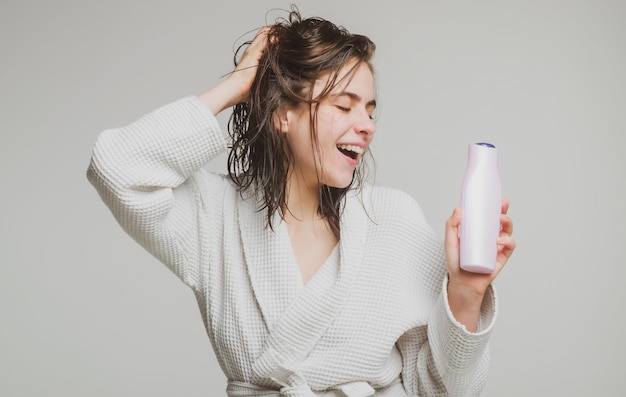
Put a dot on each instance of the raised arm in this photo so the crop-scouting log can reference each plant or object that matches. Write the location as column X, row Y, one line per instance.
column 149, row 172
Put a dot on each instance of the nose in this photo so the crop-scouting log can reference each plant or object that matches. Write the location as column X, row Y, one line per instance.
column 365, row 125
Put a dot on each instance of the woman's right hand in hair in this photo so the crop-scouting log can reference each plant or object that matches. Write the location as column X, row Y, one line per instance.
column 236, row 87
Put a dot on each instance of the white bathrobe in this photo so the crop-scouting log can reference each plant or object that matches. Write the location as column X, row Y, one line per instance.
column 374, row 319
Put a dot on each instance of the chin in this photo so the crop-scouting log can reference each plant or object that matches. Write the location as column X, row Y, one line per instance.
column 341, row 183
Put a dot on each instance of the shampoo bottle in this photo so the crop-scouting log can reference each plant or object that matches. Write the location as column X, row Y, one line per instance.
column 481, row 206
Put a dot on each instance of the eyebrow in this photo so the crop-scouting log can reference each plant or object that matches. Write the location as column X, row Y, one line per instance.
column 356, row 97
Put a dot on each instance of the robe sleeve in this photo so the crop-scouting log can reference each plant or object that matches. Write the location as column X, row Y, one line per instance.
column 148, row 174
column 452, row 361
column 461, row 357
column 442, row 358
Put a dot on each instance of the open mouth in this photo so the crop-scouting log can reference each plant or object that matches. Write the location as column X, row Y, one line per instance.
column 351, row 151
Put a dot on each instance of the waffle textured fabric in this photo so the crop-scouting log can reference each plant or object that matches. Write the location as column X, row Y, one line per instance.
column 373, row 320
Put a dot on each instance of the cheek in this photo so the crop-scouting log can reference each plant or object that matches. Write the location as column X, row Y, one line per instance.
column 329, row 126
column 325, row 114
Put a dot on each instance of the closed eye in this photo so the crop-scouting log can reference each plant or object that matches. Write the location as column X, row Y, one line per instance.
column 346, row 110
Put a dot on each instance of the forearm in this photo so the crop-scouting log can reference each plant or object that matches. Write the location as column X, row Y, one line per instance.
column 461, row 355
column 224, row 95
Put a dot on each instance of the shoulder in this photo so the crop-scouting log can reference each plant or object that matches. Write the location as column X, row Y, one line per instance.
column 219, row 188
column 387, row 204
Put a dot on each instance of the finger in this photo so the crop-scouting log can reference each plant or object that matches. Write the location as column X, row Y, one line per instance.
column 506, row 224
column 455, row 219
column 451, row 242
column 452, row 227
column 505, row 205
column 260, row 38
column 506, row 246
column 254, row 49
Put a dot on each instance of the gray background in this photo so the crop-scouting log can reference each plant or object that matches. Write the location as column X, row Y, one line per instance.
column 85, row 311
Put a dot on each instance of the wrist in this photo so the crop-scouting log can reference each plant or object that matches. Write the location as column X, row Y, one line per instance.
column 465, row 296
column 465, row 303
column 468, row 291
column 222, row 96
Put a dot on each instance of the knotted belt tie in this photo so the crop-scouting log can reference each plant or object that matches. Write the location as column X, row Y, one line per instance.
column 353, row 389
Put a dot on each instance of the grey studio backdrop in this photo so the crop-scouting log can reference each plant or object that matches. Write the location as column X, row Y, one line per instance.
column 85, row 311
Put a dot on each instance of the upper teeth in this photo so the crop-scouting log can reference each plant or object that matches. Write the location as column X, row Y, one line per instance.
column 352, row 148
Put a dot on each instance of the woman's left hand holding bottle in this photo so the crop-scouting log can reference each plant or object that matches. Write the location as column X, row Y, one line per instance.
column 466, row 290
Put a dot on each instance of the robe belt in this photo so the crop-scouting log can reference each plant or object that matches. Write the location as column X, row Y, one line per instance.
column 353, row 389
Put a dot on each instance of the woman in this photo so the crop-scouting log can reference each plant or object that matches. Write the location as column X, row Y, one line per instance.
column 309, row 282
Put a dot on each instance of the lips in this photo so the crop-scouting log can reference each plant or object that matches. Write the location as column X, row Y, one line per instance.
column 352, row 151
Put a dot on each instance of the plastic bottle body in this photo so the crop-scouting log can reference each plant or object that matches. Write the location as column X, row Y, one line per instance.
column 481, row 205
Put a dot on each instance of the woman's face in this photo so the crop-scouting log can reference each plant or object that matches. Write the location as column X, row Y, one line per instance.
column 344, row 130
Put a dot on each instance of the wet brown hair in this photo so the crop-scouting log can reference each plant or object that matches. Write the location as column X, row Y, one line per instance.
column 298, row 52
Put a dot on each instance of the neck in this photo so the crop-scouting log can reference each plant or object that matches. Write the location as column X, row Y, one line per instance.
column 302, row 201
